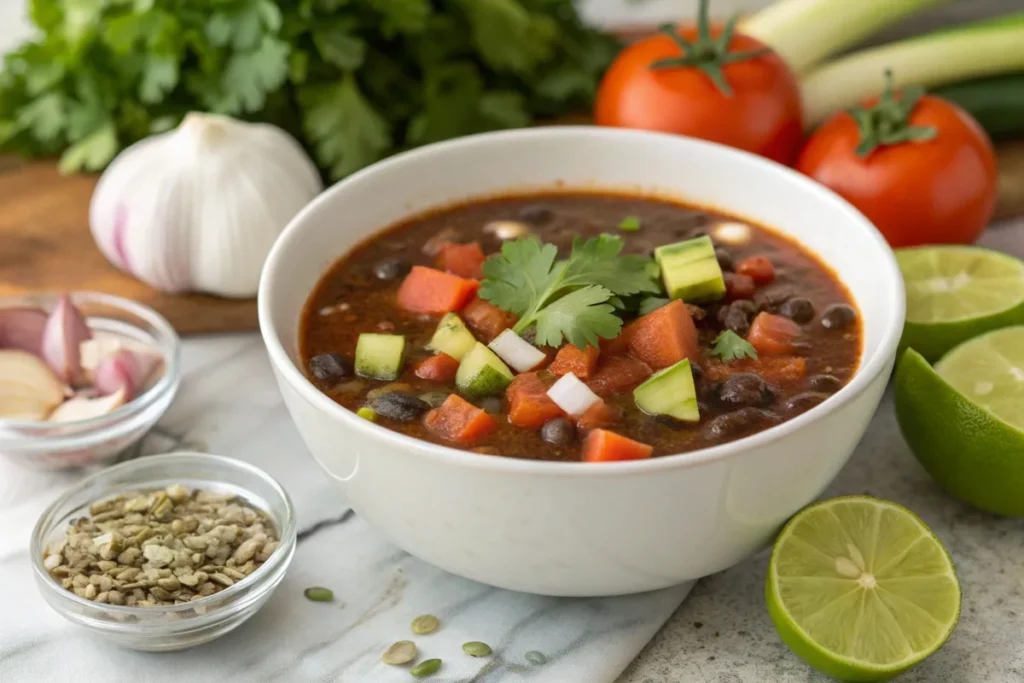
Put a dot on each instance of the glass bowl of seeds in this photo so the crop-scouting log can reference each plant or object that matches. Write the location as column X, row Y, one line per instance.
column 165, row 552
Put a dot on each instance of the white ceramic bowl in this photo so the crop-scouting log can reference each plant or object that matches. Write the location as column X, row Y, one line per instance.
column 576, row 529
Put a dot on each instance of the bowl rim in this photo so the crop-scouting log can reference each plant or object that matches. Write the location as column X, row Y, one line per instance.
column 125, row 418
column 870, row 368
column 278, row 560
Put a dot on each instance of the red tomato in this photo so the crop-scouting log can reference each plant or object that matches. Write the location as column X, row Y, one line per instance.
column 761, row 114
column 759, row 268
column 739, row 286
column 937, row 191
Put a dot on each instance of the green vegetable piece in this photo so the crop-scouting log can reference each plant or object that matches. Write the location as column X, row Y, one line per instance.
column 426, row 668
column 670, row 392
column 452, row 337
column 477, row 649
column 481, row 373
column 319, row 594
column 729, row 346
column 630, row 224
column 536, row 658
column 380, row 356
column 367, row 413
column 690, row 270
column 887, row 122
column 424, row 624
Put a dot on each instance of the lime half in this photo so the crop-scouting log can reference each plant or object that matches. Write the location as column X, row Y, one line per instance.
column 964, row 419
column 955, row 293
column 861, row 589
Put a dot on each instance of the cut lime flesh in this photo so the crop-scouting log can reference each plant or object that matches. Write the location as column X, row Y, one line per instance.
column 989, row 370
column 948, row 284
column 861, row 588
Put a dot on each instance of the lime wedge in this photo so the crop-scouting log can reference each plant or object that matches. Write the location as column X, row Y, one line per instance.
column 964, row 419
column 955, row 293
column 861, row 589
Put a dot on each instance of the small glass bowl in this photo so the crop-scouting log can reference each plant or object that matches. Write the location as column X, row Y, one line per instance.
column 98, row 440
column 175, row 627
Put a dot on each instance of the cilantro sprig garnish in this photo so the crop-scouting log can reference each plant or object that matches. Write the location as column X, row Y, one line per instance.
column 729, row 346
column 570, row 299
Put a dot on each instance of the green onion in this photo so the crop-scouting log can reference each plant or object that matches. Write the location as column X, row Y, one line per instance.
column 985, row 48
column 806, row 32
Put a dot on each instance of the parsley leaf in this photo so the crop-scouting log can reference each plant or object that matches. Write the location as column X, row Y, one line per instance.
column 573, row 299
column 729, row 346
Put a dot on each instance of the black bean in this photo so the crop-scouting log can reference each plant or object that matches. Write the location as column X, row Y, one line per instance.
column 828, row 383
column 772, row 299
column 745, row 305
column 801, row 403
column 490, row 404
column 399, row 406
column 738, row 423
column 838, row 316
column 391, row 268
column 696, row 371
column 558, row 431
column 797, row 309
column 536, row 213
column 435, row 398
column 737, row 321
column 744, row 389
column 725, row 261
column 330, row 367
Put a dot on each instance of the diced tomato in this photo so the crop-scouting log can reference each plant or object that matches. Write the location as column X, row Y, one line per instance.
column 439, row 368
column 664, row 337
column 602, row 445
column 773, row 335
column 529, row 405
column 486, row 319
column 758, row 268
column 618, row 373
column 460, row 421
column 572, row 359
column 426, row 290
column 597, row 416
column 780, row 370
column 739, row 286
column 464, row 260
column 617, row 346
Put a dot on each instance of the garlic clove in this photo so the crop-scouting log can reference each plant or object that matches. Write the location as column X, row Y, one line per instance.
column 63, row 335
column 84, row 408
column 28, row 388
column 22, row 328
column 125, row 368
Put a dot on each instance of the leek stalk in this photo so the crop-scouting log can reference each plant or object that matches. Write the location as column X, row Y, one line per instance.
column 976, row 50
column 806, row 32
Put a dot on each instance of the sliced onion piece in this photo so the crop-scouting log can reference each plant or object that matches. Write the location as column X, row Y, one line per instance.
column 62, row 338
column 733, row 234
column 28, row 388
column 22, row 328
column 127, row 369
column 516, row 351
column 572, row 395
column 85, row 408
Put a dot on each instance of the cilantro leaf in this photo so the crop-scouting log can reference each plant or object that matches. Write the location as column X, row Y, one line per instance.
column 402, row 16
column 340, row 47
column 652, row 303
column 521, row 276
column 159, row 77
column 250, row 76
column 91, row 153
column 581, row 317
column 729, row 346
column 597, row 261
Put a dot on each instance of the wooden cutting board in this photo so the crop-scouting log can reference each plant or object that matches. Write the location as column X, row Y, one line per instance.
column 45, row 244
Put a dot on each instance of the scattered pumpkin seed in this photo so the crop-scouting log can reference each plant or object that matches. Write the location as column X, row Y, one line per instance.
column 367, row 413
column 477, row 649
column 402, row 652
column 319, row 594
column 536, row 658
column 424, row 624
column 426, row 668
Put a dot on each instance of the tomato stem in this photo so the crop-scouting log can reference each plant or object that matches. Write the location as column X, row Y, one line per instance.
column 888, row 121
column 706, row 53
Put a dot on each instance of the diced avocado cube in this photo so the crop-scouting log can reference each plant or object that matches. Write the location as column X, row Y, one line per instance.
column 690, row 270
column 452, row 337
column 669, row 392
column 380, row 356
column 481, row 373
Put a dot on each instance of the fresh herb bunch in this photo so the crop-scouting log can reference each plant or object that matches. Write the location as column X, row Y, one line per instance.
column 354, row 80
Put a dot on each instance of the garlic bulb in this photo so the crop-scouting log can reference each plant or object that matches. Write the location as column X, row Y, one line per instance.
column 198, row 208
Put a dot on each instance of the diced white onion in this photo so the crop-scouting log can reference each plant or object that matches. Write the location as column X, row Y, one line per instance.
column 516, row 351
column 734, row 234
column 572, row 395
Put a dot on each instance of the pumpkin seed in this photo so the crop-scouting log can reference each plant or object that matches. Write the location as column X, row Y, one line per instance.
column 319, row 594
column 536, row 658
column 424, row 624
column 402, row 652
column 427, row 668
column 477, row 649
